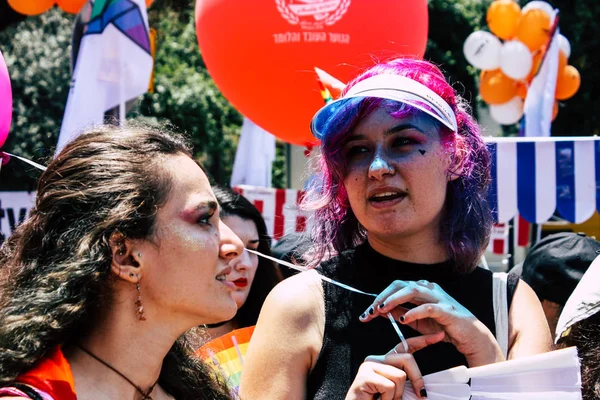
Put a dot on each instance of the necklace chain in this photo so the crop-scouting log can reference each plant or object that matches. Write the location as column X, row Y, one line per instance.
column 145, row 394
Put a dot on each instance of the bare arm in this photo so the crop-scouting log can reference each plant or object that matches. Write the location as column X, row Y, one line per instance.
column 528, row 330
column 287, row 340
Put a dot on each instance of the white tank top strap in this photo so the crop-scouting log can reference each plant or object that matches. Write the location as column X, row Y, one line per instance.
column 500, row 297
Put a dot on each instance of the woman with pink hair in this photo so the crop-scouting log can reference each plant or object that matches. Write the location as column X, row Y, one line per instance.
column 400, row 210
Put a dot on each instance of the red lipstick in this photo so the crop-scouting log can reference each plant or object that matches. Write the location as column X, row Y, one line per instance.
column 241, row 282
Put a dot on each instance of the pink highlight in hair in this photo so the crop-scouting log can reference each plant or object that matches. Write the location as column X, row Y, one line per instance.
column 467, row 221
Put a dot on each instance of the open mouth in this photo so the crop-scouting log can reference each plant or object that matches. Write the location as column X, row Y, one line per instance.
column 222, row 277
column 386, row 196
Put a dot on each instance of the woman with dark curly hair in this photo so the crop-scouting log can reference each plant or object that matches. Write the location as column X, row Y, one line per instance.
column 253, row 278
column 400, row 196
column 123, row 253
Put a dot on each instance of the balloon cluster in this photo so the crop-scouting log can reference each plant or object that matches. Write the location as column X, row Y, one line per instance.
column 35, row 7
column 511, row 55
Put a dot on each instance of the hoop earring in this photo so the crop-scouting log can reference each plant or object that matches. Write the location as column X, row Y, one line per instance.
column 139, row 307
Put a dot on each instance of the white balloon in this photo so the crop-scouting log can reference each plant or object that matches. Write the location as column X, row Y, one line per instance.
column 564, row 45
column 515, row 60
column 508, row 113
column 541, row 5
column 482, row 50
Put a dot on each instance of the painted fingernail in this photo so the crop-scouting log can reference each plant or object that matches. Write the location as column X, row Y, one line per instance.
column 382, row 305
column 423, row 392
column 402, row 318
column 364, row 315
column 371, row 311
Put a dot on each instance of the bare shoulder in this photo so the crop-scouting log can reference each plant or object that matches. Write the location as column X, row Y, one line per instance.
column 528, row 329
column 301, row 293
column 295, row 307
column 286, row 341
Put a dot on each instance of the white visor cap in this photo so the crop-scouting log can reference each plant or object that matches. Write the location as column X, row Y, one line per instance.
column 390, row 87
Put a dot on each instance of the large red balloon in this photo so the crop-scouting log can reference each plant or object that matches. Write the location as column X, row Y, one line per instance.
column 262, row 53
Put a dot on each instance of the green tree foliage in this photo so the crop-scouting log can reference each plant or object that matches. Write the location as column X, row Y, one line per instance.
column 186, row 96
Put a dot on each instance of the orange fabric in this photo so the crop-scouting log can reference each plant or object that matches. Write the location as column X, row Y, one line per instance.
column 52, row 374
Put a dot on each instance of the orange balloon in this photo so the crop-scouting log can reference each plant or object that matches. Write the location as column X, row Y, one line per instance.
column 261, row 53
column 554, row 110
column 496, row 88
column 71, row 6
column 522, row 90
column 31, row 7
column 503, row 18
column 533, row 29
column 568, row 82
column 537, row 60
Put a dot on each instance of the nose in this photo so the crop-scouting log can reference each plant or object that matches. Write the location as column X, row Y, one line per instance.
column 230, row 246
column 379, row 168
column 241, row 263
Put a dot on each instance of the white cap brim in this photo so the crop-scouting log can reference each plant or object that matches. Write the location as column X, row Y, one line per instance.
column 390, row 87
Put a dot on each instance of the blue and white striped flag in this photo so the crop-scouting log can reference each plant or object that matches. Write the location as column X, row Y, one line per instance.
column 536, row 177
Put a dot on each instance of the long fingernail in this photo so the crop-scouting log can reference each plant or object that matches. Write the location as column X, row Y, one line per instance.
column 423, row 392
column 402, row 318
column 371, row 311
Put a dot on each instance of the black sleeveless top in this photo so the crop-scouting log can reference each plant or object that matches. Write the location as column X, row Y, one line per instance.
column 347, row 341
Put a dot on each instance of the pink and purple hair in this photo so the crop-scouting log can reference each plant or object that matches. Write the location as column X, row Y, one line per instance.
column 466, row 222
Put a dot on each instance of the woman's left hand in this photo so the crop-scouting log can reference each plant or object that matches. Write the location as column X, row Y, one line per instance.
column 437, row 311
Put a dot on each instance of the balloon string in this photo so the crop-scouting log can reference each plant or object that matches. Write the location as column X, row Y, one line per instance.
column 342, row 285
column 32, row 163
column 326, row 279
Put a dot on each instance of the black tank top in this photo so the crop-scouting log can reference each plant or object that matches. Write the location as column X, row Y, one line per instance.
column 347, row 341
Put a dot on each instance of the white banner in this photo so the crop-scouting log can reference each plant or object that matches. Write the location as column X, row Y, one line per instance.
column 14, row 208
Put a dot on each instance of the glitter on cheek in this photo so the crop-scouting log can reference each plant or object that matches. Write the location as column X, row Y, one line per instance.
column 188, row 236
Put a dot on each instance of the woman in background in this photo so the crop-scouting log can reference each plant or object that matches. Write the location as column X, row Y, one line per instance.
column 252, row 276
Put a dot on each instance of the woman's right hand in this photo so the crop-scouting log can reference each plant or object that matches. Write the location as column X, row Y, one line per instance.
column 437, row 311
column 383, row 377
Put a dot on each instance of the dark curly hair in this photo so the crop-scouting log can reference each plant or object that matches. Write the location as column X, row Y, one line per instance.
column 267, row 274
column 55, row 268
column 585, row 335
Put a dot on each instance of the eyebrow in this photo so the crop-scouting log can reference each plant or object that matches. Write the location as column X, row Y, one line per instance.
column 391, row 131
column 402, row 127
column 210, row 204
